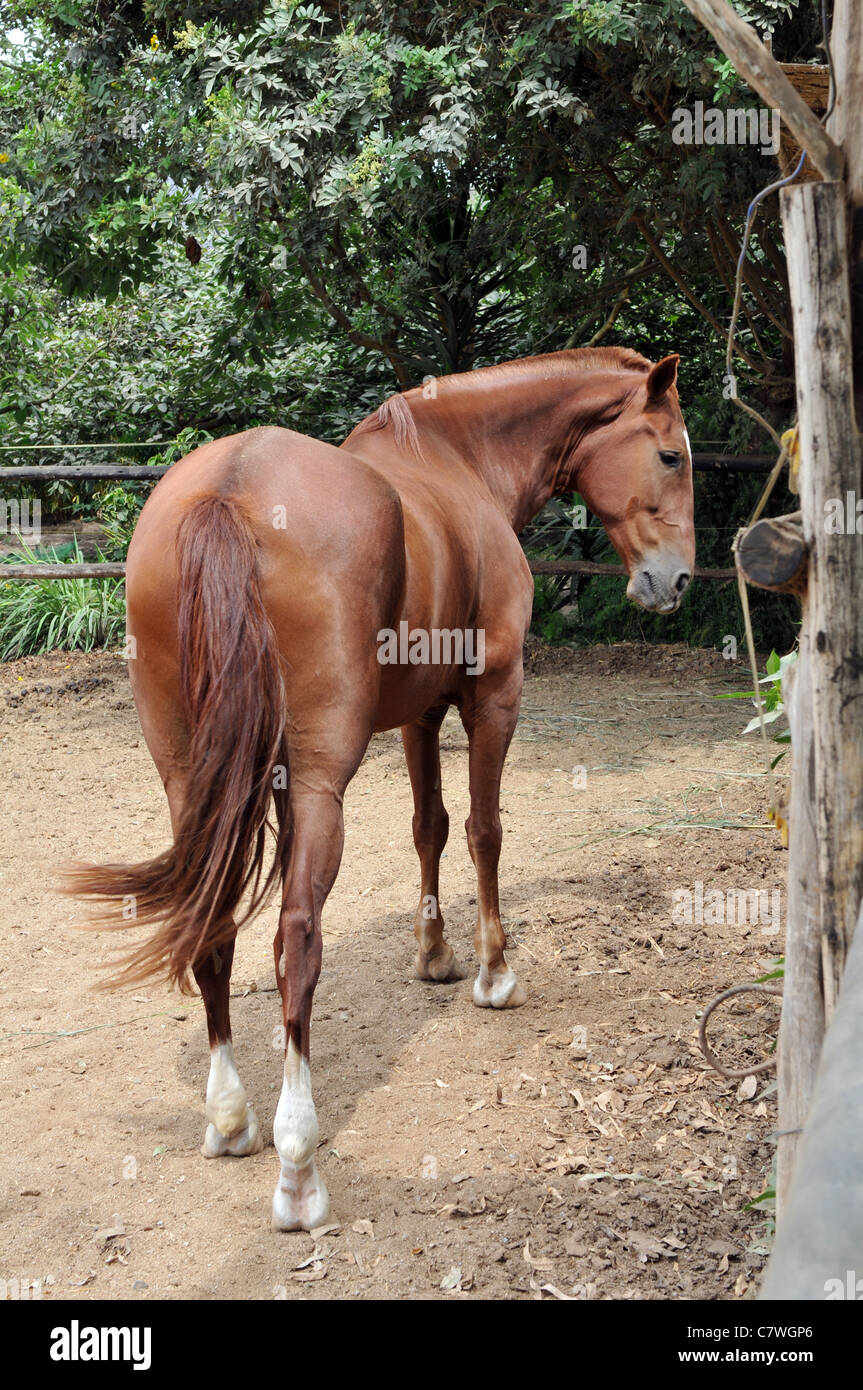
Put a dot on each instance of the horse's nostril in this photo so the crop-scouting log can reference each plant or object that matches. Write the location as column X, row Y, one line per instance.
column 682, row 580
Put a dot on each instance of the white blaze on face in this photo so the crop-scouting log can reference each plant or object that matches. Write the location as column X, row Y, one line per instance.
column 227, row 1106
column 688, row 445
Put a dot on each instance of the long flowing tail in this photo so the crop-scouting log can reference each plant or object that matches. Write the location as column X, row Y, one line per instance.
column 234, row 703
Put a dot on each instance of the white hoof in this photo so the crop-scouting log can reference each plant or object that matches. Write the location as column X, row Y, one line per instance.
column 247, row 1141
column 300, row 1201
column 498, row 991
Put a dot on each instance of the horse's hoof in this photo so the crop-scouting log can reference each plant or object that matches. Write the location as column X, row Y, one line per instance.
column 439, row 968
column 300, row 1201
column 516, row 999
column 498, row 992
column 246, row 1142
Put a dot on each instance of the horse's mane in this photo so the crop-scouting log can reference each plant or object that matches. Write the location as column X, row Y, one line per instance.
column 396, row 410
column 564, row 363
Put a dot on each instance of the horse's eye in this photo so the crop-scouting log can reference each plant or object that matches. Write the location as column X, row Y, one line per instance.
column 671, row 458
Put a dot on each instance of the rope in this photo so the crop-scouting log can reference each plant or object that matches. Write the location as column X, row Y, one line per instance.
column 788, row 443
column 707, row 1051
column 738, row 294
column 750, row 219
column 789, row 453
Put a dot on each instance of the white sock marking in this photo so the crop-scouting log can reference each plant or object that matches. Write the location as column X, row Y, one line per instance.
column 494, row 989
column 295, row 1128
column 226, row 1096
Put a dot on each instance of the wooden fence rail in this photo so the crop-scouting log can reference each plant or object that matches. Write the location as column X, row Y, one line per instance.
column 96, row 570
column 137, row 472
column 104, row 570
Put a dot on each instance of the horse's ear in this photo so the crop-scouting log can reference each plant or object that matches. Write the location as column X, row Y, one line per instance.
column 662, row 377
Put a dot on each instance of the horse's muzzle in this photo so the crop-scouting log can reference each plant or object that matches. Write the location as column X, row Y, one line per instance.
column 659, row 583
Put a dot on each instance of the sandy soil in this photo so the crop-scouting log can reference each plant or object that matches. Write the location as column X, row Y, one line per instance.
column 579, row 1146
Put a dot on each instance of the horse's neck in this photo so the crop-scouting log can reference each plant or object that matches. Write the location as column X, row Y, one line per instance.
column 517, row 435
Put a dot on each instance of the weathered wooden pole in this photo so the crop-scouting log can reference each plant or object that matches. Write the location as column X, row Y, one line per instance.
column 818, row 554
column 814, row 222
column 820, row 1175
column 846, row 130
column 818, row 1252
column 820, row 1178
column 801, row 1027
column 773, row 555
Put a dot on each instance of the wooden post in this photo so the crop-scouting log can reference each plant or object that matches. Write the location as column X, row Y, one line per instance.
column 846, row 129
column 773, row 555
column 801, row 1027
column 820, row 1233
column 819, row 1241
column 814, row 222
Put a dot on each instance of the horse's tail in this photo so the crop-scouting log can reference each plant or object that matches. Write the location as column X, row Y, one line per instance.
column 234, row 707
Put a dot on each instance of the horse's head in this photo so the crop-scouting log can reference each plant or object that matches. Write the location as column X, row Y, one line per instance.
column 635, row 474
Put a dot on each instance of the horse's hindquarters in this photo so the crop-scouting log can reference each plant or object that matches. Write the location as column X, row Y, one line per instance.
column 257, row 583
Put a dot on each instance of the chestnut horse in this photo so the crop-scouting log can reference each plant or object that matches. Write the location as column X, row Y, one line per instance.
column 287, row 599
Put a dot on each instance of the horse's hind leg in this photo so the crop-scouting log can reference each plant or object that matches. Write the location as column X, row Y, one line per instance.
column 434, row 957
column 232, row 1126
column 300, row 1201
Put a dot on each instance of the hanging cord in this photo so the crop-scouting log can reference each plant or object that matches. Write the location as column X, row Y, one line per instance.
column 788, row 449
column 738, row 295
column 707, row 1050
column 773, row 813
column 789, row 453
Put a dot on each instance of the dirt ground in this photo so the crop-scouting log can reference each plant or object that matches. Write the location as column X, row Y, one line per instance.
column 576, row 1147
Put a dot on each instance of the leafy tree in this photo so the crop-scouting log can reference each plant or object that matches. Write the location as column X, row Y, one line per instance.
column 214, row 215
column 425, row 173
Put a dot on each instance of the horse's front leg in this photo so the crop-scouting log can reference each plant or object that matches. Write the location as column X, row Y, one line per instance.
column 434, row 957
column 489, row 714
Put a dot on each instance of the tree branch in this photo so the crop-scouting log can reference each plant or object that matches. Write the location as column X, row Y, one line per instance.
column 752, row 276
column 385, row 344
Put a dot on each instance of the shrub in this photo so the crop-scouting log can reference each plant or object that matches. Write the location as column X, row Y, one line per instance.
column 40, row 615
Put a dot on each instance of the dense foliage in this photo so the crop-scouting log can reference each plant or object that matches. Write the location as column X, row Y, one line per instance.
column 214, row 215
